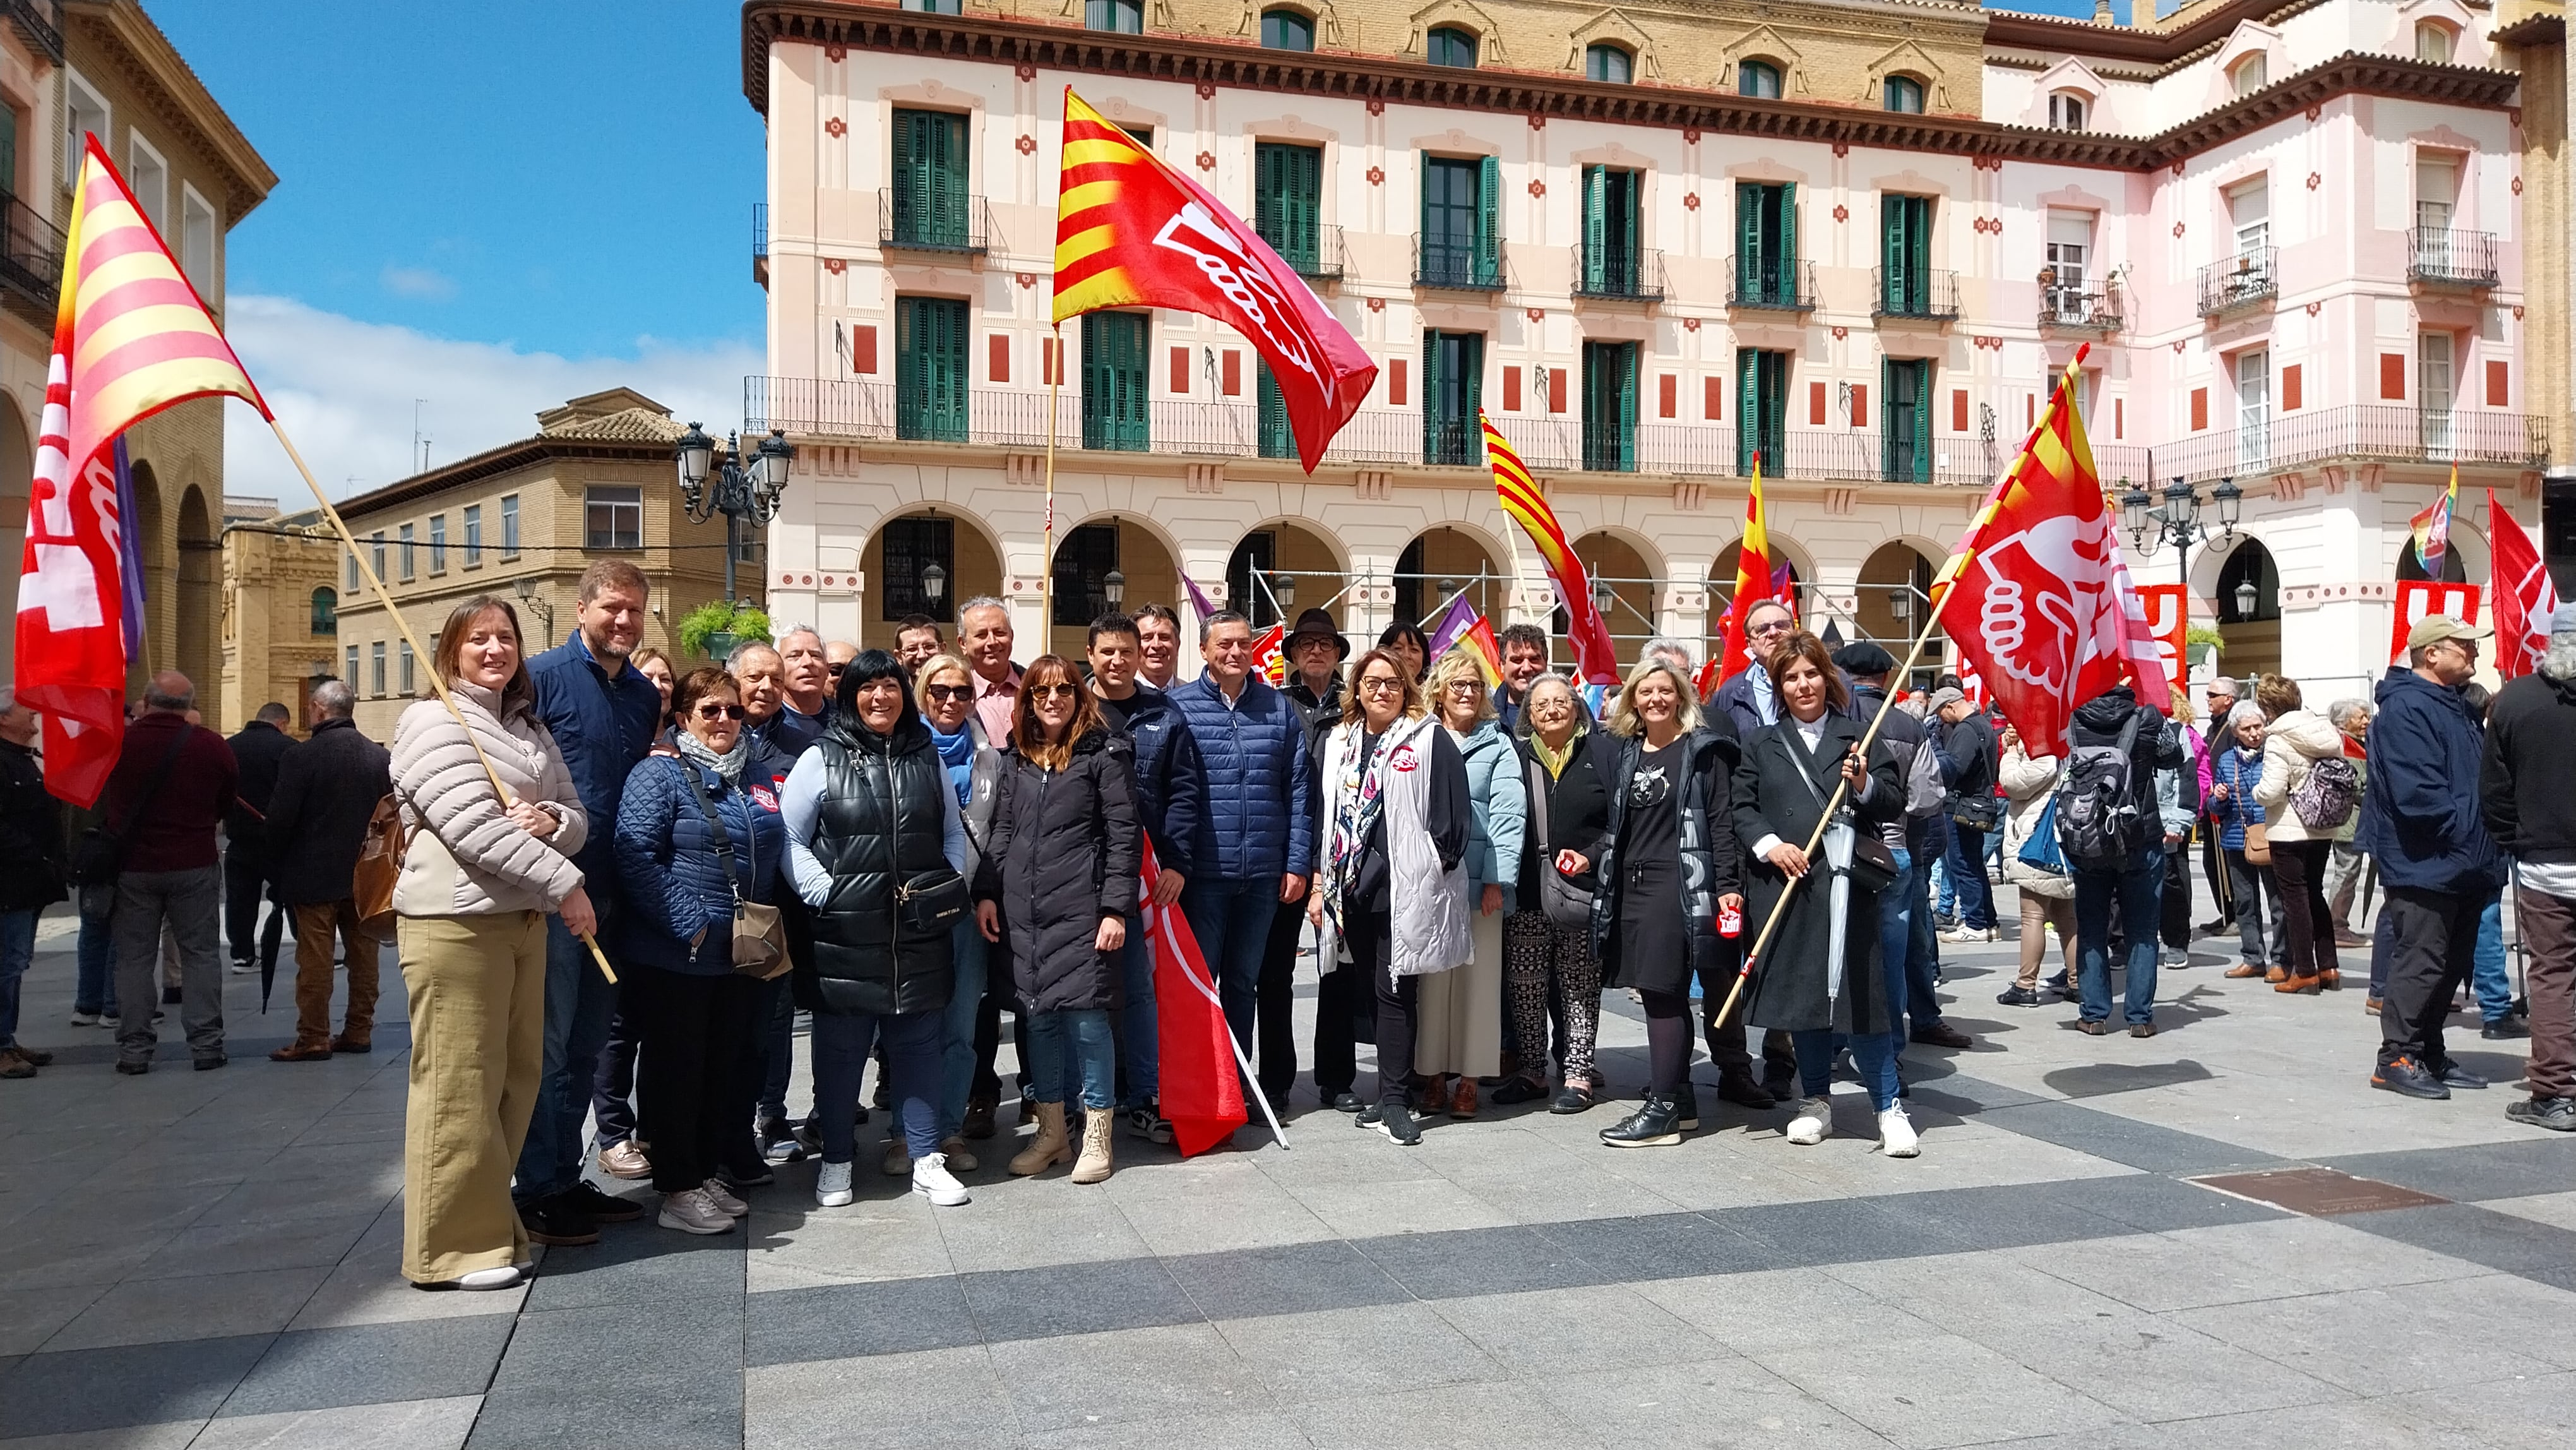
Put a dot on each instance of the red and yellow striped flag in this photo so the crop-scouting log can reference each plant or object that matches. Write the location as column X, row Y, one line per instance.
column 131, row 337
column 1596, row 659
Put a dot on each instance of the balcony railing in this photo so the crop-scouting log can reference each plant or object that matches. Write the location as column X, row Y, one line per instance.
column 1629, row 274
column 1920, row 294
column 1786, row 287
column 2440, row 258
column 2072, row 308
column 965, row 225
column 2363, row 431
column 1455, row 267
column 2249, row 278
column 1320, row 262
column 41, row 21
column 31, row 262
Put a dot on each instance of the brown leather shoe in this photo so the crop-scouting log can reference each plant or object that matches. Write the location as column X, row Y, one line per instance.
column 2300, row 986
column 1463, row 1104
column 2242, row 970
column 2330, row 981
column 302, row 1051
column 2276, row 975
column 348, row 1042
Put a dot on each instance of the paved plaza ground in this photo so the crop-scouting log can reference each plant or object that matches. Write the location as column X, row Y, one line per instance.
column 208, row 1259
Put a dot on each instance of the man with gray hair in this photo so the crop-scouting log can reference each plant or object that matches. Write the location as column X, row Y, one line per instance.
column 2344, row 868
column 984, row 637
column 172, row 783
column 327, row 790
column 2527, row 784
column 808, row 678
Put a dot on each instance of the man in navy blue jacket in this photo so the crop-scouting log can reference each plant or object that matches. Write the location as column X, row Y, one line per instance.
column 1256, row 843
column 2420, row 819
column 604, row 716
column 1169, row 783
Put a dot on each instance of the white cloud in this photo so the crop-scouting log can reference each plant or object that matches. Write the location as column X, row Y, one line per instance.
column 344, row 390
column 423, row 283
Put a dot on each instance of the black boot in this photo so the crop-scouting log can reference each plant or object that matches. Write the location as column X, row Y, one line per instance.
column 1655, row 1124
column 1737, row 1086
column 1686, row 1108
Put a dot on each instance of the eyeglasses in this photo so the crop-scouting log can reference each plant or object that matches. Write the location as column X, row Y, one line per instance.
column 719, row 712
column 1061, row 690
column 1381, row 685
column 948, row 694
column 1777, row 626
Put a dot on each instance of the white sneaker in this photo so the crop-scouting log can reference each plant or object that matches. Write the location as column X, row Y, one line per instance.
column 1815, row 1119
column 722, row 1197
column 1972, row 934
column 898, row 1158
column 85, row 1019
column 960, row 1158
column 832, row 1186
column 505, row 1277
column 1896, row 1134
column 932, row 1180
column 243, row 969
column 694, row 1212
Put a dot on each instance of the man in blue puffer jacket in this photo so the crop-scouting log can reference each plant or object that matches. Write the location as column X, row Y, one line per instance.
column 1256, row 841
column 2420, row 819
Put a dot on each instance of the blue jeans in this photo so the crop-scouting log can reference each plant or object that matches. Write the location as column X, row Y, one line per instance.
column 1873, row 1054
column 2488, row 980
column 1070, row 1051
column 1896, row 940
column 579, row 1004
column 2139, row 891
column 912, row 1051
column 1144, row 1055
column 1922, row 938
column 1945, row 881
column 1231, row 919
column 1968, row 877
column 94, row 989
column 968, row 955
column 17, row 951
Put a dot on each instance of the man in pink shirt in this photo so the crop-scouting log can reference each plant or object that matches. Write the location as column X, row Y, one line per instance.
column 984, row 638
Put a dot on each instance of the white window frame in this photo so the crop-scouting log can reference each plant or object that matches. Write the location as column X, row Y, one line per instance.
column 617, row 509
column 78, row 95
column 155, row 208
column 202, row 272
column 2060, row 101
column 474, row 536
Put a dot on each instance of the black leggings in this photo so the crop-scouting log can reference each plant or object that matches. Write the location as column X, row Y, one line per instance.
column 1369, row 934
column 1668, row 1041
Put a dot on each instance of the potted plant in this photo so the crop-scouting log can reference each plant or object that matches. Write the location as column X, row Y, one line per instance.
column 715, row 627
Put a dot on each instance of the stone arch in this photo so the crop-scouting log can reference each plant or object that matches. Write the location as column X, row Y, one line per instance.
column 972, row 561
column 1721, row 583
column 1136, row 547
column 1328, row 20
column 1294, row 549
column 197, row 604
column 1634, row 569
column 1764, row 43
column 1466, row 556
column 2249, row 640
column 1892, row 596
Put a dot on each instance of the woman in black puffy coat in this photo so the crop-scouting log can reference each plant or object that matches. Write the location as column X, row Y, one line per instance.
column 1061, row 869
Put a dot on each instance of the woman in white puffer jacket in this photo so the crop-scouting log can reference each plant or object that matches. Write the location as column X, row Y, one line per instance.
column 2046, row 900
column 2293, row 741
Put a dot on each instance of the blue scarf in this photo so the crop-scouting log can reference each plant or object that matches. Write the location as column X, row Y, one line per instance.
column 957, row 752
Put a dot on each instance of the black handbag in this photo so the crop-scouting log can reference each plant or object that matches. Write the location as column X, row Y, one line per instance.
column 1977, row 813
column 931, row 901
column 1560, row 900
column 98, row 857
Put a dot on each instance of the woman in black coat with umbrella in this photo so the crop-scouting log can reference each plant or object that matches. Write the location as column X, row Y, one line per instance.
column 1668, row 866
column 1061, row 869
column 1819, row 975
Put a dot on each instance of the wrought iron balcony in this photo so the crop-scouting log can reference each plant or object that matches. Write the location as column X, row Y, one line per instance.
column 2251, row 278
column 1621, row 273
column 1920, row 294
column 961, row 224
column 31, row 262
column 1455, row 267
column 2071, row 307
column 1319, row 260
column 2365, row 432
column 1780, row 287
column 2436, row 257
column 41, row 21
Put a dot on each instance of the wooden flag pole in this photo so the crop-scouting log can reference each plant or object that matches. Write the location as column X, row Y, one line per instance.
column 376, row 586
column 1046, row 565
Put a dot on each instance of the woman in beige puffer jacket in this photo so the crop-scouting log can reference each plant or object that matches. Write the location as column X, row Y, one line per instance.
column 2293, row 740
column 478, row 880
column 2028, row 781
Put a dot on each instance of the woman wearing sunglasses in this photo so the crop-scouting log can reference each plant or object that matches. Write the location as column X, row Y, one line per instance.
column 1061, row 870
column 974, row 769
column 697, row 832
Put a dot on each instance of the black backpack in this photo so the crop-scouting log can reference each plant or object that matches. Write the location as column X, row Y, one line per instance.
column 2097, row 816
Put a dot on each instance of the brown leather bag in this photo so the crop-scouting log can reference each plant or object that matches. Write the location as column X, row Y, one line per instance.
column 380, row 857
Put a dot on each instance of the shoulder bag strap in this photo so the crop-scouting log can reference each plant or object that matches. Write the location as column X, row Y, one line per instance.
column 715, row 823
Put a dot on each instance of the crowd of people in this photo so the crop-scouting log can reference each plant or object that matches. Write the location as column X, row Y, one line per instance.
column 619, row 886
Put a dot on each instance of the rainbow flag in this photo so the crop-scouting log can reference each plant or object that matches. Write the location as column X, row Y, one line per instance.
column 2433, row 527
column 1596, row 659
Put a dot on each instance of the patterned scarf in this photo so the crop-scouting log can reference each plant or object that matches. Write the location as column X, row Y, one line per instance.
column 1358, row 799
column 729, row 765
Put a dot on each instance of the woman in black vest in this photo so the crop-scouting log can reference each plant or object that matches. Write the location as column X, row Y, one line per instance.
column 869, row 809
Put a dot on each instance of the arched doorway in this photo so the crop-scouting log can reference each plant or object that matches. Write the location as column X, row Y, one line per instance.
column 152, row 544
column 196, row 640
column 1629, row 608
column 17, row 471
column 1283, row 568
column 2455, row 569
column 1107, row 563
column 1895, row 597
column 2249, row 611
column 1443, row 564
column 926, row 562
column 1721, row 588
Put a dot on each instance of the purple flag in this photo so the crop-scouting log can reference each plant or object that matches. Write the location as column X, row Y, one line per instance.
column 1455, row 621
column 129, row 549
column 1198, row 597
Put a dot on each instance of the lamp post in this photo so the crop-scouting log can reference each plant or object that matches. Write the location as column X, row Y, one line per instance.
column 747, row 485
column 1113, row 588
column 1283, row 594
column 934, row 587
column 528, row 595
column 2179, row 523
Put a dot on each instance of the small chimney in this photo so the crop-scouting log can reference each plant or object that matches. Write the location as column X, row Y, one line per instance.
column 2102, row 13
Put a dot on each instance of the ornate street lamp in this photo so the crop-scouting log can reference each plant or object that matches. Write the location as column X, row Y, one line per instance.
column 1113, row 588
column 746, row 484
column 2179, row 522
column 934, row 587
column 1283, row 593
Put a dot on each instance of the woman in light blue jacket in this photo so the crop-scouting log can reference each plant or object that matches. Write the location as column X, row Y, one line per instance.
column 1462, row 1009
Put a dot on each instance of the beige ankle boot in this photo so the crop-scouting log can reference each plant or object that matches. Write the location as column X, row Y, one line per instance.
column 1093, row 1166
column 1048, row 1148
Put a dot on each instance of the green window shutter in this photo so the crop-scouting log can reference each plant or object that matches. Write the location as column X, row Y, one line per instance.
column 1628, row 368
column 1287, row 196
column 948, row 181
column 1596, row 180
column 1276, row 439
column 1489, row 199
column 1268, row 166
column 1923, row 421
column 1304, row 205
column 1113, row 381
column 1431, row 396
column 1787, row 201
column 1471, row 392
column 1891, row 254
column 930, row 369
column 1429, row 237
column 1748, row 405
column 1891, row 376
column 1748, row 243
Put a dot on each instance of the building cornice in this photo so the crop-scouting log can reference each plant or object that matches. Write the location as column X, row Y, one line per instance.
column 2532, row 31
column 129, row 39
column 2149, row 47
column 495, row 462
column 1175, row 58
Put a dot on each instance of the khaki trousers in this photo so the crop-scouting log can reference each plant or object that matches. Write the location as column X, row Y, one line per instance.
column 314, row 926
column 477, row 986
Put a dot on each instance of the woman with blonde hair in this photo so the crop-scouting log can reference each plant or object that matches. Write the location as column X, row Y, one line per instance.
column 1391, row 874
column 1462, row 1011
column 480, row 873
column 654, row 665
column 1668, row 868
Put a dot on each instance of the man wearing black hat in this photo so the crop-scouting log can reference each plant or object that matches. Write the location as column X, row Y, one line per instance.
column 1315, row 650
column 1913, row 965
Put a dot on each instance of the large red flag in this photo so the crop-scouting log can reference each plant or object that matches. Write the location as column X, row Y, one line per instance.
column 1596, row 658
column 2047, row 612
column 2525, row 595
column 1132, row 232
column 1753, row 579
column 1202, row 1093
column 131, row 338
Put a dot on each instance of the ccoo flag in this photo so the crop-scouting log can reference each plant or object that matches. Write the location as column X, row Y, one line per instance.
column 1596, row 659
column 2525, row 596
column 131, row 337
column 1132, row 232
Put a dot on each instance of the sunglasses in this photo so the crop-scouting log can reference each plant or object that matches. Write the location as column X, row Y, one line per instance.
column 719, row 712
column 1777, row 626
column 948, row 694
column 1061, row 690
